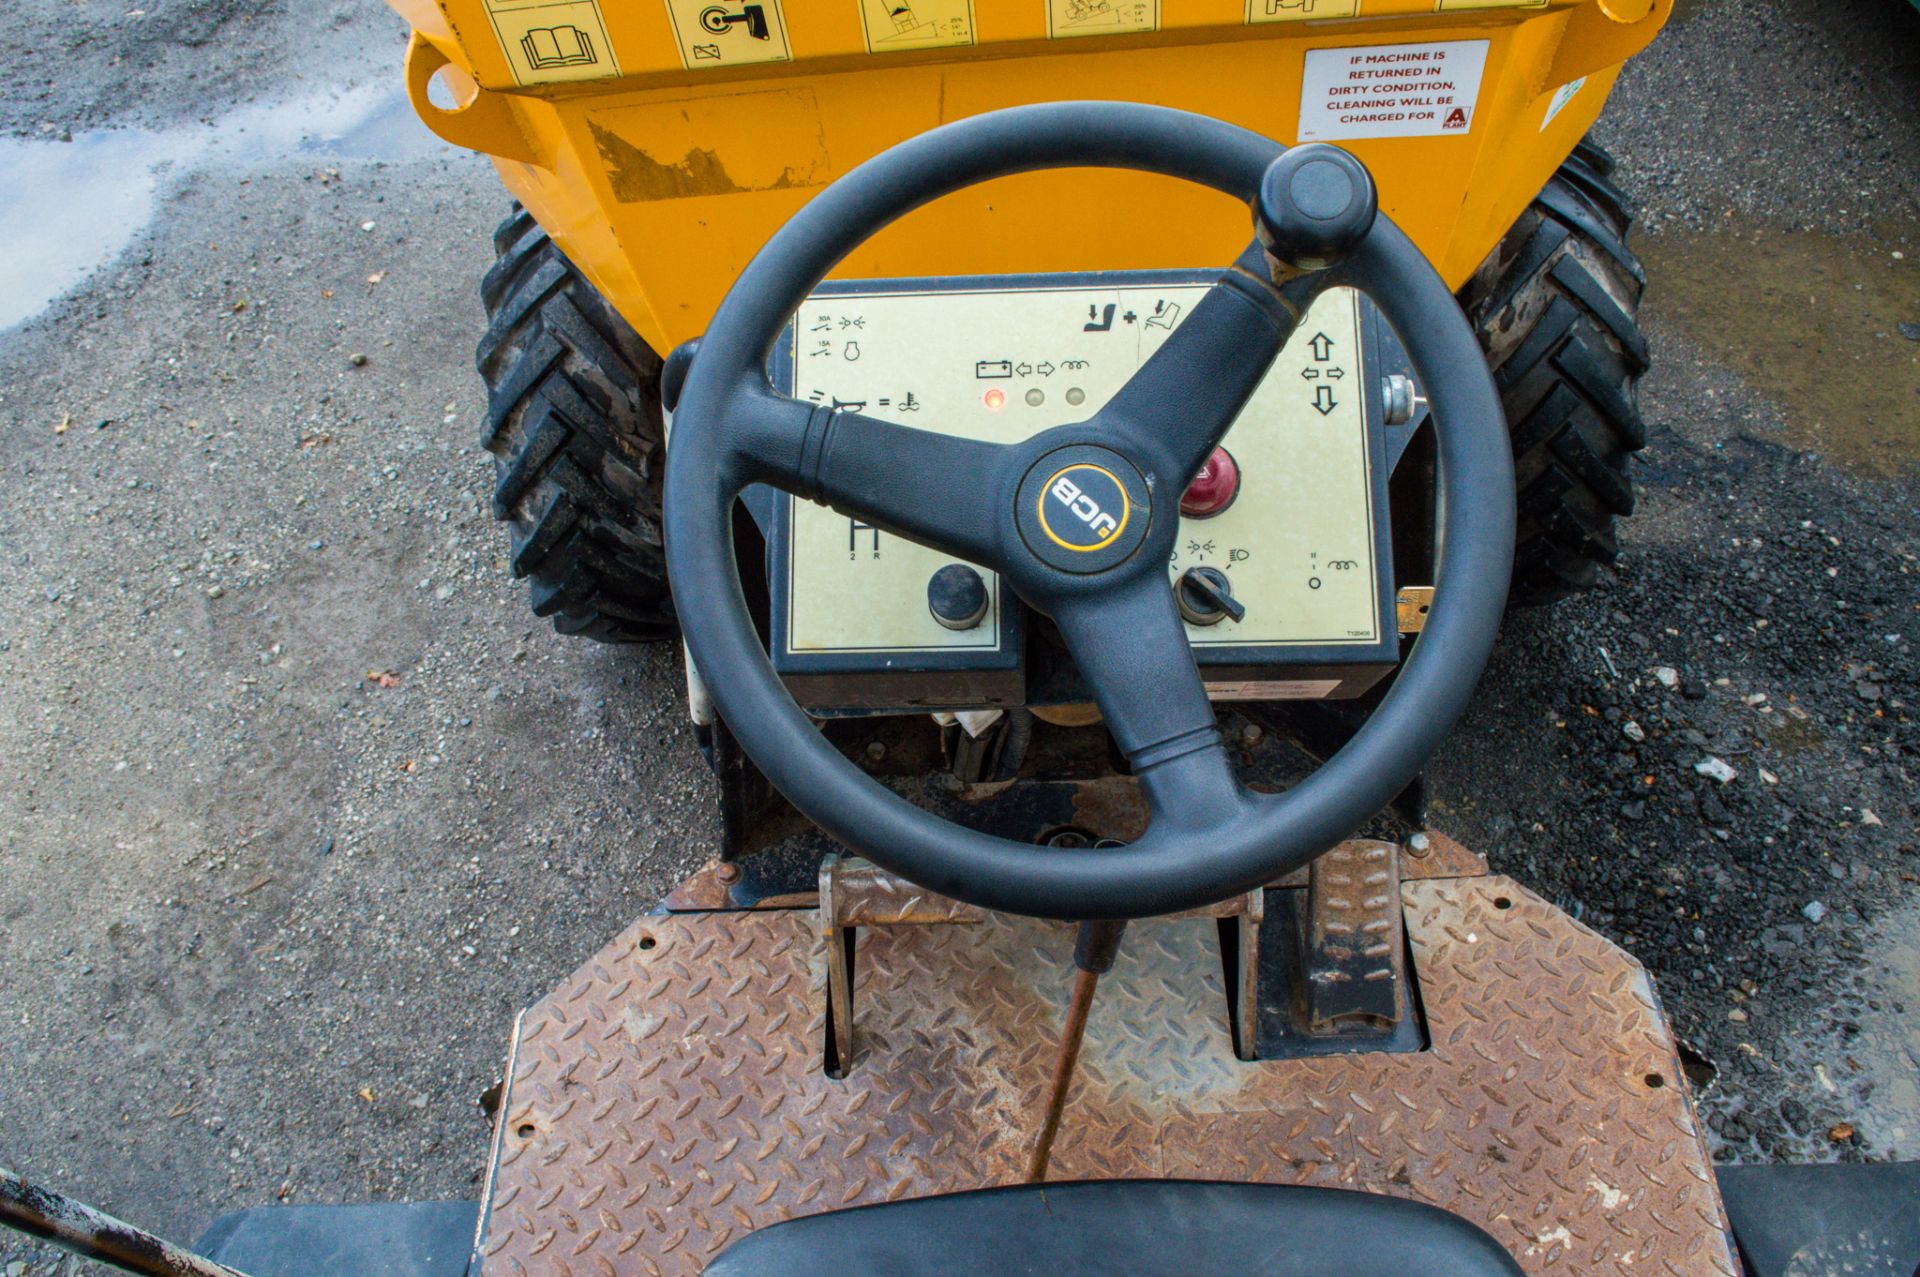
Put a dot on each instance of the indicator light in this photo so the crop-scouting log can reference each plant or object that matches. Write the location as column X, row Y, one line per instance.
column 995, row 399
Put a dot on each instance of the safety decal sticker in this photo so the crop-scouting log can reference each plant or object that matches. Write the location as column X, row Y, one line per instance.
column 1561, row 96
column 728, row 33
column 1391, row 90
column 1067, row 19
column 552, row 41
column 895, row 26
column 1259, row 11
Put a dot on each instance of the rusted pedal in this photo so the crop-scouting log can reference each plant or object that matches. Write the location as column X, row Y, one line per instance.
column 1355, row 938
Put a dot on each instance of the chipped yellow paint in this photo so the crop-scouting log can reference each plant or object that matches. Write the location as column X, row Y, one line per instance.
column 665, row 150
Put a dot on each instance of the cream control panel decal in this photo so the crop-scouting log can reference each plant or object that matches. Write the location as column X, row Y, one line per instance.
column 1391, row 90
column 1067, row 19
column 1297, row 543
column 895, row 26
column 553, row 41
column 726, row 33
column 1259, row 11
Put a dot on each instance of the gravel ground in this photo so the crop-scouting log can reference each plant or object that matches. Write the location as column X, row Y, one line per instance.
column 1797, row 113
column 71, row 65
column 278, row 729
column 1712, row 762
column 291, row 786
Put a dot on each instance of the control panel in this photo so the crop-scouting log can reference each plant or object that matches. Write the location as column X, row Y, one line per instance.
column 1281, row 566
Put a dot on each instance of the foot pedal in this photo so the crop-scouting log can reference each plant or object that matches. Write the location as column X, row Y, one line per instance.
column 1336, row 973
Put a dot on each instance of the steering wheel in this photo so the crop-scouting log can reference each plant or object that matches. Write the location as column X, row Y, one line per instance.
column 1080, row 520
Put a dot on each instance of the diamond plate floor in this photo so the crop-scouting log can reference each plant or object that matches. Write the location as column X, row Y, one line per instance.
column 670, row 1095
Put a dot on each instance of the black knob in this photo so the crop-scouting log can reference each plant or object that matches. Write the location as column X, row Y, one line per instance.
column 1316, row 204
column 1205, row 596
column 957, row 597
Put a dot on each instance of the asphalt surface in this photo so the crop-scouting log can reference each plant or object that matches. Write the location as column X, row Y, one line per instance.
column 298, row 804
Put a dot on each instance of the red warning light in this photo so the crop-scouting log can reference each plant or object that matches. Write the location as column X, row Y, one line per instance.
column 995, row 399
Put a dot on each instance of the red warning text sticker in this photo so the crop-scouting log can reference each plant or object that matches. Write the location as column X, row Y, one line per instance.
column 1391, row 90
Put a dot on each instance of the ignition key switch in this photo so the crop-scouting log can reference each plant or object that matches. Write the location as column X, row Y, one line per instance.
column 1206, row 597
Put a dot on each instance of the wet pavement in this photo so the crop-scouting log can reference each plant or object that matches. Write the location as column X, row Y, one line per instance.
column 78, row 200
column 1888, row 1041
column 1821, row 324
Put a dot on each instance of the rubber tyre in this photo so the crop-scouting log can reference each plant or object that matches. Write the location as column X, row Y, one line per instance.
column 574, row 425
column 1556, row 307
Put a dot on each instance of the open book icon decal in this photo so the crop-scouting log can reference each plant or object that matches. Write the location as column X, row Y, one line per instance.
column 564, row 46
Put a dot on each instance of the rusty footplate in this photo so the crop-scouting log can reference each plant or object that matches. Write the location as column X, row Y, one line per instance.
column 672, row 1094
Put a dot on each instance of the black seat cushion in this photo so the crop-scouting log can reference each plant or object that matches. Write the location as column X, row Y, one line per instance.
column 1141, row 1228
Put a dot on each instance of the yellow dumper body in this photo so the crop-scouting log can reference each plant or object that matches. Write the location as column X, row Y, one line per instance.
column 661, row 142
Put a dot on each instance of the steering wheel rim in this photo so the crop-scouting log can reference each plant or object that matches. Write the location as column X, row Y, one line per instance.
column 1217, row 839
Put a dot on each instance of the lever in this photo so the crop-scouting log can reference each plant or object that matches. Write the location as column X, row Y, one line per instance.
column 1094, row 952
column 78, row 1227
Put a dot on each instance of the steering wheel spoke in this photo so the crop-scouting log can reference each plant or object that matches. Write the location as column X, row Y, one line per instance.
column 1155, row 706
column 1131, row 648
column 1180, row 403
column 1195, row 792
column 937, row 489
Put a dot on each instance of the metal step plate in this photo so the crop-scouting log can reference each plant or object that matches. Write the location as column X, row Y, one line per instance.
column 671, row 1095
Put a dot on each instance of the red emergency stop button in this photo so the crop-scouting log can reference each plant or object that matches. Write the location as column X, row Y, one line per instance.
column 1213, row 488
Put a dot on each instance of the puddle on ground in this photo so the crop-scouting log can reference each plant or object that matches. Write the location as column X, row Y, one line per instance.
column 1811, row 320
column 1888, row 1046
column 72, row 207
column 1862, row 1066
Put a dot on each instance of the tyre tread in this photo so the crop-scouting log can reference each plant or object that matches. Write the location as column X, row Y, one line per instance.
column 574, row 426
column 1556, row 306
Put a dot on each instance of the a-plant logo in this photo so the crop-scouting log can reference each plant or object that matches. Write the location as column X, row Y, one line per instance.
column 1084, row 508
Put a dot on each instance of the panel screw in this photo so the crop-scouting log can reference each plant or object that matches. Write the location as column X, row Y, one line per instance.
column 1398, row 397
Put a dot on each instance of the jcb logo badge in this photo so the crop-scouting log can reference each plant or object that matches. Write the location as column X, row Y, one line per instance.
column 1084, row 508
column 1068, row 494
